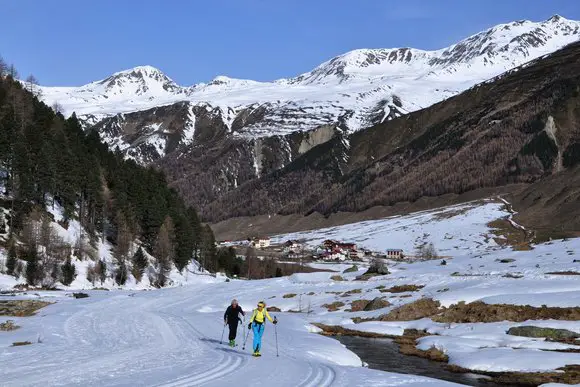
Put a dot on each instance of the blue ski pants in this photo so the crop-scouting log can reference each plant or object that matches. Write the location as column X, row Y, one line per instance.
column 258, row 330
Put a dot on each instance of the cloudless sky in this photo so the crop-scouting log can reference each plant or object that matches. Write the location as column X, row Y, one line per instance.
column 73, row 42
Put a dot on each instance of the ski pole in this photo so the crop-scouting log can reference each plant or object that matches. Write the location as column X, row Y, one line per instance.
column 276, row 333
column 223, row 330
column 247, row 334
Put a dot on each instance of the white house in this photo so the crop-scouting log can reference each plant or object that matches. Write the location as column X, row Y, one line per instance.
column 261, row 242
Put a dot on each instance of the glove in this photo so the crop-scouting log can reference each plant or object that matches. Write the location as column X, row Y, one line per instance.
column 250, row 326
column 275, row 322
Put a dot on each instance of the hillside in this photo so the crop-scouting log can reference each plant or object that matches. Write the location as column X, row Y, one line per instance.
column 518, row 128
column 213, row 137
column 73, row 212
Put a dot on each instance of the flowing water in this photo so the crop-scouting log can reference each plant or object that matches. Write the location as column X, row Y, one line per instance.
column 383, row 354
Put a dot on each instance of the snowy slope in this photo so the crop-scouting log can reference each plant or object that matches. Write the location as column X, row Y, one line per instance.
column 453, row 230
column 355, row 89
column 103, row 250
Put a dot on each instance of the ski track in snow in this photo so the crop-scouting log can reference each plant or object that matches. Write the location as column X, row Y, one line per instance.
column 319, row 376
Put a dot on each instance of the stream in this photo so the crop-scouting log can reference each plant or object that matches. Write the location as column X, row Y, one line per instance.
column 383, row 354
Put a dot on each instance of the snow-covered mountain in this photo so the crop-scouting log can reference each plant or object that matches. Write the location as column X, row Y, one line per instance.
column 356, row 89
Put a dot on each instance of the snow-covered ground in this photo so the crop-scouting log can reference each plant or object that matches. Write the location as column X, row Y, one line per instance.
column 170, row 337
column 453, row 230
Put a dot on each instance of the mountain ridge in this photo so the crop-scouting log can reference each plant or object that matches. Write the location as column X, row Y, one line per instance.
column 359, row 81
column 221, row 137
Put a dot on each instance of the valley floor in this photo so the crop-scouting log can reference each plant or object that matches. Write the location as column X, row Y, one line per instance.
column 171, row 337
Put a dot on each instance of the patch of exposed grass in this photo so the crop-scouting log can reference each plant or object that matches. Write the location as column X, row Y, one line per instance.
column 351, row 292
column 337, row 278
column 403, row 288
column 481, row 312
column 424, row 307
column 289, row 295
column 358, row 305
column 569, row 374
column 335, row 330
column 334, row 306
column 508, row 235
column 549, row 333
column 569, row 272
column 21, row 308
column 352, row 269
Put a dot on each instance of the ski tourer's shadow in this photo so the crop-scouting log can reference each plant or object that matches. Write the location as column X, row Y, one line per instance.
column 208, row 340
column 237, row 352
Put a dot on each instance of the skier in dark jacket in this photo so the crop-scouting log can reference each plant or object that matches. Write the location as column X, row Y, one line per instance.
column 232, row 318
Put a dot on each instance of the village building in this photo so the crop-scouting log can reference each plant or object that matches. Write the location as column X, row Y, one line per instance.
column 394, row 254
column 293, row 247
column 261, row 242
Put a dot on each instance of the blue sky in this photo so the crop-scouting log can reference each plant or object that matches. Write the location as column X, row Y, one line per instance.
column 73, row 42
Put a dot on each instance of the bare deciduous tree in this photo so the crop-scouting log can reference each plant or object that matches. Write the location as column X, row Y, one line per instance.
column 3, row 67
column 58, row 108
column 32, row 86
column 426, row 251
column 164, row 251
column 12, row 71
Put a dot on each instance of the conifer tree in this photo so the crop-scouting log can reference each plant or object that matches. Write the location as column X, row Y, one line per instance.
column 140, row 263
column 32, row 267
column 69, row 272
column 12, row 259
column 208, row 249
column 121, row 274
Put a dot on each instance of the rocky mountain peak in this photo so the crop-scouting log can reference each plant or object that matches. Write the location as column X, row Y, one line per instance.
column 140, row 79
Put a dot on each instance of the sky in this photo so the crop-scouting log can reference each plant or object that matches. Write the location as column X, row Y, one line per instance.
column 72, row 42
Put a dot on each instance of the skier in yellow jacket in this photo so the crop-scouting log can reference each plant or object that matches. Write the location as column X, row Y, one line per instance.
column 257, row 325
